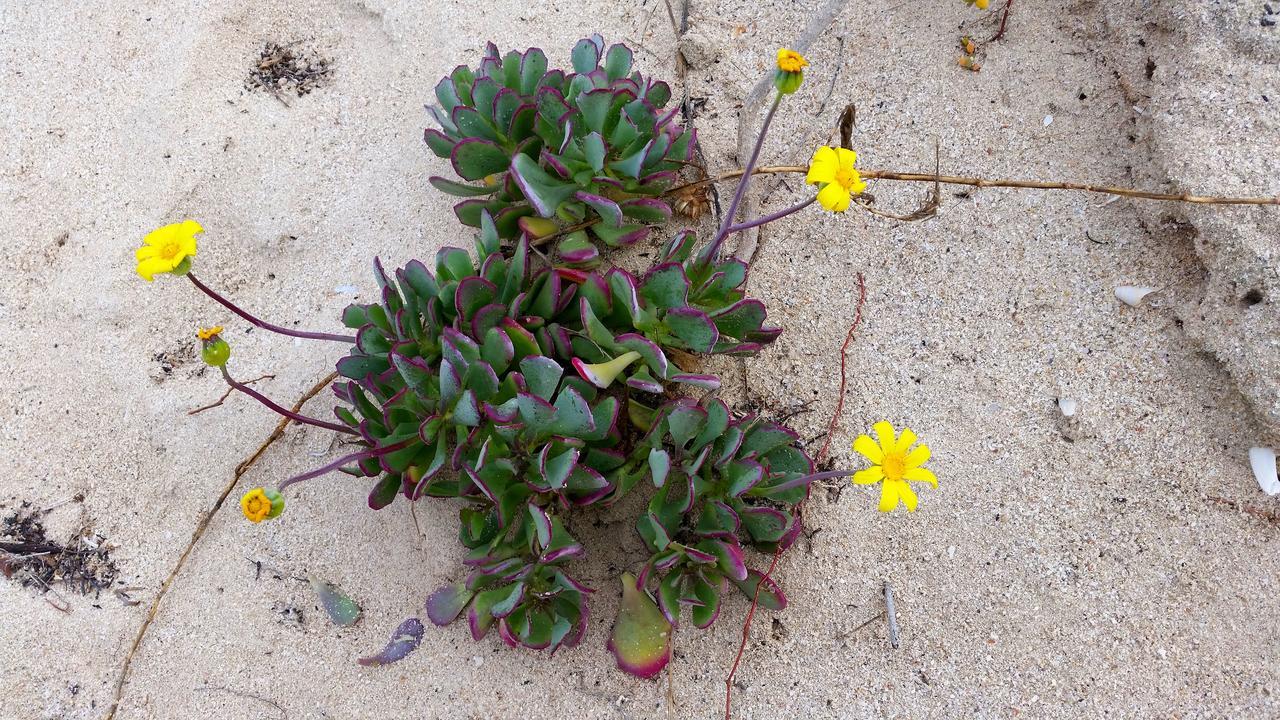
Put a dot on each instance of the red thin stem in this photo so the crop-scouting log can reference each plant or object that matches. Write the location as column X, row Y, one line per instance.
column 772, row 216
column 349, row 339
column 848, row 338
column 746, row 630
column 714, row 249
column 1004, row 18
column 296, row 417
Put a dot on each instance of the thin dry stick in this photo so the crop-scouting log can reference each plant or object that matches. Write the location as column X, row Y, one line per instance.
column 894, row 640
column 201, row 527
column 1004, row 183
column 844, row 349
column 227, row 394
column 746, row 630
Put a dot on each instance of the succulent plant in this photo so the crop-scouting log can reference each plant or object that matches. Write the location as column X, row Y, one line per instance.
column 552, row 149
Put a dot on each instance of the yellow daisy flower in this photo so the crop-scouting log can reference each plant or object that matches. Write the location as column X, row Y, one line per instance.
column 833, row 171
column 209, row 333
column 168, row 249
column 791, row 61
column 896, row 464
column 259, row 504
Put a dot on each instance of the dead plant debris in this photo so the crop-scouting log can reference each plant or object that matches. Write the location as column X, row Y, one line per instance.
column 287, row 68
column 29, row 557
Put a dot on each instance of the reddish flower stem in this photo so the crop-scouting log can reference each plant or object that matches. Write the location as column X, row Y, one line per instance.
column 741, row 192
column 296, row 417
column 1004, row 18
column 772, row 216
column 349, row 339
column 848, row 338
column 746, row 630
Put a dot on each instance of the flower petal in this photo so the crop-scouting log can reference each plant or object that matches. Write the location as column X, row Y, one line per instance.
column 919, row 474
column 869, row 449
column 870, row 476
column 889, row 496
column 908, row 497
column 823, row 166
column 906, row 439
column 918, row 457
column 151, row 266
column 846, row 158
column 146, row 252
column 834, row 198
column 884, row 431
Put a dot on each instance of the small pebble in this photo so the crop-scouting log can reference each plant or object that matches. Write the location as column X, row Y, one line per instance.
column 477, row 661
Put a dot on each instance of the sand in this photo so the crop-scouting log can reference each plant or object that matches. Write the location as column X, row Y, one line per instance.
column 1064, row 568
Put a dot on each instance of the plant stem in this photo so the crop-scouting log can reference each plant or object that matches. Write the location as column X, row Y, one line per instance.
column 1005, row 183
column 349, row 339
column 772, row 216
column 296, row 417
column 347, row 459
column 746, row 174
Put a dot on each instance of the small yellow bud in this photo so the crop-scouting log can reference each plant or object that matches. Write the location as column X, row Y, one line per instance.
column 259, row 504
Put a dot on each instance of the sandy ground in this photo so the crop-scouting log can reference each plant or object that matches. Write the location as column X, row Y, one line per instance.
column 1063, row 569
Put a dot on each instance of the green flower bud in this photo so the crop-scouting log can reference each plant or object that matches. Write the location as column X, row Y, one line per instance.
column 215, row 351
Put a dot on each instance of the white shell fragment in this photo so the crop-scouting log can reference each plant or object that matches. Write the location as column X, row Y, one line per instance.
column 1131, row 295
column 1048, row 120
column 1263, row 461
column 1068, row 406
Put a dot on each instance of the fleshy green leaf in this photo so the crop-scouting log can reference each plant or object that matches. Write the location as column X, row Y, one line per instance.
column 641, row 638
column 342, row 609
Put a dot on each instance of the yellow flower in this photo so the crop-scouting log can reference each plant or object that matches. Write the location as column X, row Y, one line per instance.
column 258, row 504
column 791, row 61
column 168, row 249
column 832, row 170
column 896, row 464
column 210, row 333
column 980, row 4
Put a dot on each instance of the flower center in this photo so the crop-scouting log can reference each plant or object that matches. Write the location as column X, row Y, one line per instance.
column 255, row 506
column 846, row 178
column 169, row 250
column 895, row 464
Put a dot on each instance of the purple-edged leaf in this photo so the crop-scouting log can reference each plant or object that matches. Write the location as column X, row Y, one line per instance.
column 506, row 602
column 541, row 525
column 770, row 596
column 444, row 605
column 737, row 320
column 706, row 382
column 718, row 519
column 728, row 557
column 647, row 210
column 533, row 66
column 472, row 294
column 649, row 351
column 607, row 209
column 670, row 589
column 384, row 492
column 620, row 236
column 617, row 62
column 585, row 56
column 693, row 328
column 679, row 247
column 458, row 189
column 575, row 249
column 475, row 158
column 342, row 610
column 666, row 286
column 742, row 475
column 556, row 164
column 403, row 641
column 556, row 469
column 442, row 145
column 764, row 524
column 544, row 192
column 644, row 382
column 684, row 421
column 641, row 638
column 766, row 437
column 708, row 609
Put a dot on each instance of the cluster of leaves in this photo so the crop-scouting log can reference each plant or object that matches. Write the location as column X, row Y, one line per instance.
column 590, row 147
column 527, row 388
